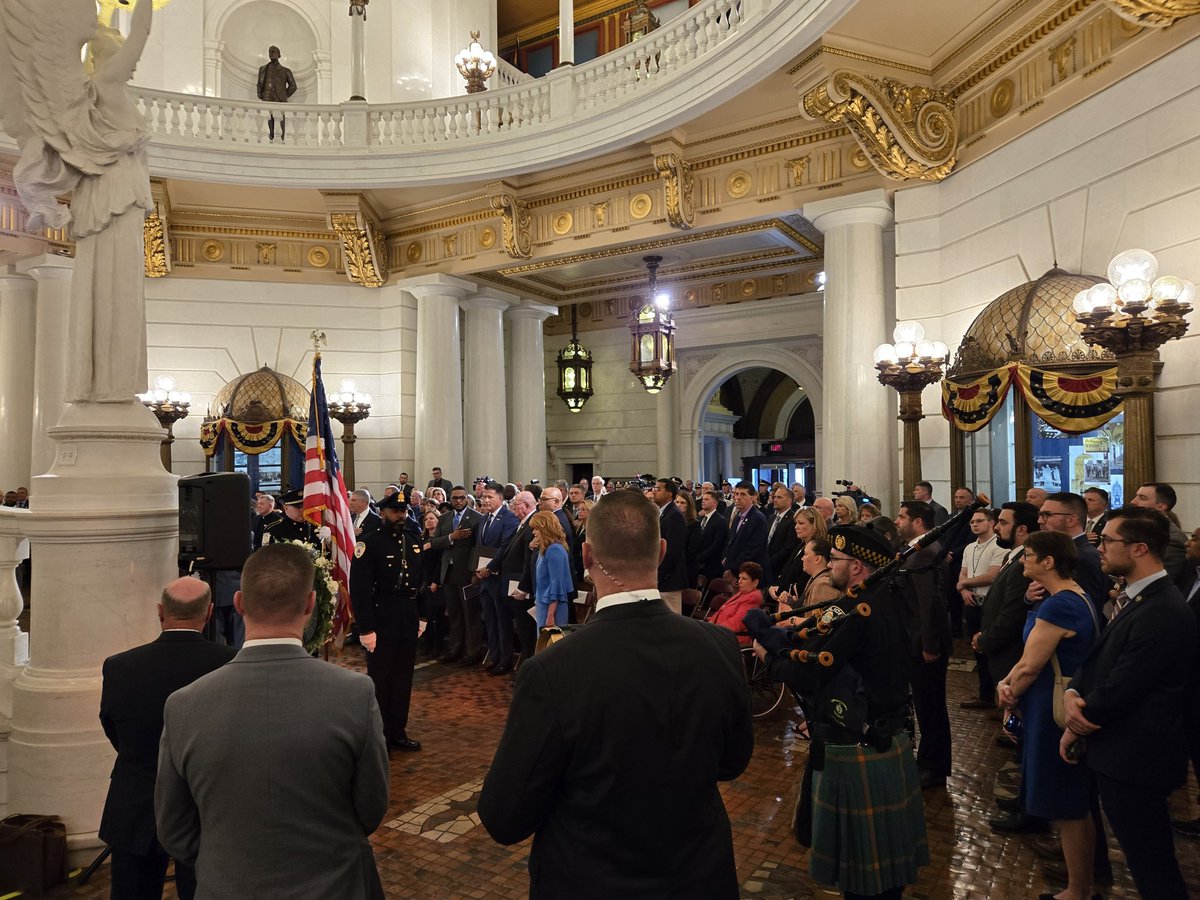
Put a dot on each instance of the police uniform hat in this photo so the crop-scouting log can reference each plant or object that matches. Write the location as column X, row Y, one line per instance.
column 398, row 500
column 292, row 498
column 865, row 544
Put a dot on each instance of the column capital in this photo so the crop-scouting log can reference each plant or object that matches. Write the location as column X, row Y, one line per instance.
column 865, row 208
column 10, row 278
column 437, row 285
column 490, row 298
column 47, row 265
column 530, row 310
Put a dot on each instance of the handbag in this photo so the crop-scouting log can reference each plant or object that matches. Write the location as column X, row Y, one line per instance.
column 33, row 853
column 552, row 634
column 1060, row 687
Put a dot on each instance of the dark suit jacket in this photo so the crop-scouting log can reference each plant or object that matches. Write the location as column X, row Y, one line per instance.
column 1089, row 574
column 499, row 533
column 512, row 562
column 712, row 546
column 929, row 620
column 568, row 529
column 615, row 741
column 782, row 545
column 456, row 554
column 1003, row 620
column 748, row 543
column 672, row 571
column 372, row 522
column 940, row 513
column 1174, row 560
column 1134, row 682
column 136, row 686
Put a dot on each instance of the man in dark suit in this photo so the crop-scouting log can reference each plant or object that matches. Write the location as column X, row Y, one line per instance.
column 672, row 571
column 617, row 737
column 1162, row 497
column 551, row 500
column 265, row 515
column 747, row 541
column 438, row 481
column 782, row 542
column 513, row 565
column 455, row 538
column 136, row 686
column 272, row 770
column 714, row 530
column 365, row 520
column 1097, row 501
column 1127, row 698
column 495, row 534
column 1066, row 513
column 923, row 491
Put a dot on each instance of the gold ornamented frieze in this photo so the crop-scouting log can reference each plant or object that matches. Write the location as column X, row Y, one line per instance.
column 907, row 132
column 514, row 222
column 154, row 235
column 1154, row 13
column 678, row 189
column 363, row 247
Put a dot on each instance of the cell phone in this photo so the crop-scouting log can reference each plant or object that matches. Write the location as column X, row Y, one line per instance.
column 1075, row 751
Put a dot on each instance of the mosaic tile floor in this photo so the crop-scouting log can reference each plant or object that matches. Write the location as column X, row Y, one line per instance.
column 431, row 845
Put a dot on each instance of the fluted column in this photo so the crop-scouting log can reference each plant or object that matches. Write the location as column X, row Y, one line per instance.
column 439, row 437
column 858, row 413
column 527, row 412
column 18, row 327
column 485, row 397
column 53, row 275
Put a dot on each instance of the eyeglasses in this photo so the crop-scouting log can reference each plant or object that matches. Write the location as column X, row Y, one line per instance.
column 1106, row 540
column 1042, row 514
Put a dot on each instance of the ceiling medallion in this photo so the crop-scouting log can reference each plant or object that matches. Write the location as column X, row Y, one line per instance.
column 1002, row 98
column 1154, row 13
column 858, row 159
column 738, row 185
column 563, row 223
column 487, row 239
column 747, row 287
column 640, row 205
column 318, row 257
column 212, row 251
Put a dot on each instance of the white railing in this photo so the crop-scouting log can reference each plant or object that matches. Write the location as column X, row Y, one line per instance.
column 507, row 74
column 194, row 118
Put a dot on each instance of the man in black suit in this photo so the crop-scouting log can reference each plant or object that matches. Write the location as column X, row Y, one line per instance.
column 1127, row 698
column 747, row 541
column 438, row 481
column 672, row 571
column 1162, row 497
column 455, row 538
column 1191, row 593
column 1004, row 608
column 136, row 686
column 1066, row 513
column 618, row 735
column 714, row 530
column 495, row 534
column 782, row 542
column 1097, row 513
column 365, row 520
column 514, row 566
column 923, row 491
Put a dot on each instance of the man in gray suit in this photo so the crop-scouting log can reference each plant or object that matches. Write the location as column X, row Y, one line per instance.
column 272, row 771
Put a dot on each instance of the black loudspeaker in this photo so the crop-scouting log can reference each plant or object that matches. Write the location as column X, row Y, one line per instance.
column 215, row 520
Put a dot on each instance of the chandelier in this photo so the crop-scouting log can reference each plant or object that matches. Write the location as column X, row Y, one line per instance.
column 574, row 369
column 1136, row 309
column 911, row 362
column 475, row 64
column 653, row 332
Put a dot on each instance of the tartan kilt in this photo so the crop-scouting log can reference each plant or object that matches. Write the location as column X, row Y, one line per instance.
column 868, row 818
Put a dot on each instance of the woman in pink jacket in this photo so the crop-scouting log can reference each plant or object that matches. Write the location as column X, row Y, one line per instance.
column 748, row 597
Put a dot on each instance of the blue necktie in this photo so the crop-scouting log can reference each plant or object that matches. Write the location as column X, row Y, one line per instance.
column 457, row 519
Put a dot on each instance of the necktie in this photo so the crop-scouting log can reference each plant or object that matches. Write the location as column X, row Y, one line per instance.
column 704, row 522
column 487, row 523
column 457, row 519
column 774, row 525
column 1119, row 604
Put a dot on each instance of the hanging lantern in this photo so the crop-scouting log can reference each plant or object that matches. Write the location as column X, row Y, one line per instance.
column 653, row 331
column 574, row 370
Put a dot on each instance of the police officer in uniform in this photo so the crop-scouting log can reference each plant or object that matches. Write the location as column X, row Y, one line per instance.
column 291, row 526
column 860, row 808
column 385, row 579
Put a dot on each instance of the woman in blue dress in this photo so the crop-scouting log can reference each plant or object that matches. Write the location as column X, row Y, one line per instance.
column 1063, row 624
column 552, row 595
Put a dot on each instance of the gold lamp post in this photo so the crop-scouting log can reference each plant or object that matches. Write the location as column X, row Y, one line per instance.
column 475, row 64
column 1131, row 315
column 349, row 407
column 653, row 332
column 168, row 406
column 910, row 365
column 575, row 369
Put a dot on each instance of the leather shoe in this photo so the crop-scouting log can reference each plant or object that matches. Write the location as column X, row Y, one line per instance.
column 1056, row 870
column 1189, row 828
column 975, row 704
column 1017, row 823
column 1009, row 804
column 929, row 780
column 500, row 670
column 407, row 744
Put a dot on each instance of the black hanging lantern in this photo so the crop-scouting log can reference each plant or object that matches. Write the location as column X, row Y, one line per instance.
column 653, row 331
column 575, row 369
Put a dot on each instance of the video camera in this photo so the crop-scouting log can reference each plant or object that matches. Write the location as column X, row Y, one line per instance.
column 854, row 492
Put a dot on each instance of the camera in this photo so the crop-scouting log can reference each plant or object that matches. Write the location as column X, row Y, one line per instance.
column 857, row 494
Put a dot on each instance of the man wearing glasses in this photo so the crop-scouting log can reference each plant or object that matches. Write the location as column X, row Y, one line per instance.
column 1066, row 513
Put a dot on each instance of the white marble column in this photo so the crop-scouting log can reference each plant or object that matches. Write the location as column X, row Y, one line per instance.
column 728, row 472
column 213, row 51
column 566, row 32
column 18, row 327
column 858, row 413
column 666, row 405
column 358, row 53
column 53, row 275
column 485, row 397
column 439, row 437
column 527, row 410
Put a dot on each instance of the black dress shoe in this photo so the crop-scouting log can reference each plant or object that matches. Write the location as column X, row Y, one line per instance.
column 500, row 670
column 1009, row 804
column 406, row 744
column 1017, row 823
column 1055, row 870
column 930, row 781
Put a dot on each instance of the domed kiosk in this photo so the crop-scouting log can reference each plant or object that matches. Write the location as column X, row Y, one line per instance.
column 257, row 424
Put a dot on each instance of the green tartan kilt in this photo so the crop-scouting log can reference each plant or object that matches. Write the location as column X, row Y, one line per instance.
column 868, row 818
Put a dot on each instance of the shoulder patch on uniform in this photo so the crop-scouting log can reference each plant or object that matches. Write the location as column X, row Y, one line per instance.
column 359, row 549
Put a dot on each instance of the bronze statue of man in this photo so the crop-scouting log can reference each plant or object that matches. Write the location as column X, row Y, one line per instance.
column 275, row 84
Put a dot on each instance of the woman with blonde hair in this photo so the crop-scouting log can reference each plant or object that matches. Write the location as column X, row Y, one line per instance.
column 582, row 510
column 845, row 511
column 789, row 586
column 553, row 573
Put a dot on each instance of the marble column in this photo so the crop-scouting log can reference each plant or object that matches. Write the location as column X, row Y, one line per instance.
column 439, row 420
column 728, row 473
column 358, row 53
column 858, row 413
column 18, row 328
column 485, row 397
column 53, row 275
column 566, row 32
column 666, row 405
column 527, row 411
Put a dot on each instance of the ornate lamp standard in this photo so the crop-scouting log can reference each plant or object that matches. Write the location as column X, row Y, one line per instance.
column 910, row 365
column 653, row 331
column 168, row 406
column 475, row 64
column 349, row 407
column 1131, row 315
column 575, row 369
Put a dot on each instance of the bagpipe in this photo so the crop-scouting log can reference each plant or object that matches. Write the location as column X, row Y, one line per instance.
column 817, row 624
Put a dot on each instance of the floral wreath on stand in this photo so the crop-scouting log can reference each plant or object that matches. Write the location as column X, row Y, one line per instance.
column 320, row 624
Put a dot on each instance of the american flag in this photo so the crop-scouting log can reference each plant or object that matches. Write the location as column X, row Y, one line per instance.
column 325, row 495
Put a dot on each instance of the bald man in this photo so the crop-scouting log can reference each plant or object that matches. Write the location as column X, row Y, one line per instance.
column 136, row 686
column 824, row 506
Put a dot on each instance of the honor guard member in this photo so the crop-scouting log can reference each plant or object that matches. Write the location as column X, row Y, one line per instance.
column 384, row 582
column 860, row 805
column 292, row 526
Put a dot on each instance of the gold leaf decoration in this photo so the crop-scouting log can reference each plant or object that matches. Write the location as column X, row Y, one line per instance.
column 738, row 185
column 563, row 223
column 514, row 225
column 640, row 205
column 1002, row 98
column 678, row 189
column 1154, row 13
column 155, row 238
column 364, row 249
column 318, row 257
column 212, row 251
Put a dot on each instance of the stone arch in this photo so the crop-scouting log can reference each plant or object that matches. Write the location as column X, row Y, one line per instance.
column 238, row 61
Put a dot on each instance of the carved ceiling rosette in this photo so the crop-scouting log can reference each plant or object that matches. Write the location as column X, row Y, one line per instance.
column 907, row 132
column 1154, row 13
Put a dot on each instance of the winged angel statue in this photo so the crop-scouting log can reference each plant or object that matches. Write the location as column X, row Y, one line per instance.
column 80, row 132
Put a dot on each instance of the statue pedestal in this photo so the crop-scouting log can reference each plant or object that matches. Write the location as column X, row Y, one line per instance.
column 104, row 537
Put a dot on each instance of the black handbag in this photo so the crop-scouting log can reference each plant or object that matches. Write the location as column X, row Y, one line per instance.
column 33, row 854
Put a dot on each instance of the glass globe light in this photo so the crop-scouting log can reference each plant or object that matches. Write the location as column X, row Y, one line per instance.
column 904, row 351
column 160, row 396
column 1187, row 294
column 1166, row 287
column 165, row 383
column 1134, row 291
column 884, row 353
column 185, row 397
column 1082, row 303
column 348, row 386
column 1102, row 296
column 147, row 397
column 1131, row 264
column 924, row 349
column 940, row 350
column 909, row 332
column 662, row 299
